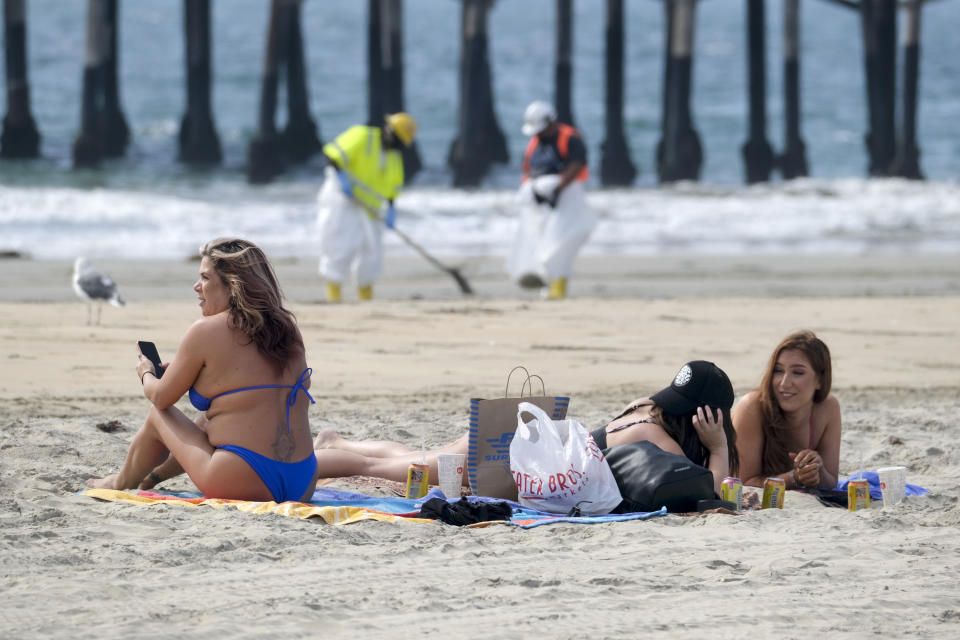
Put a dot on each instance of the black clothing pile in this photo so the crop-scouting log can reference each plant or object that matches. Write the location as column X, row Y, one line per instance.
column 463, row 512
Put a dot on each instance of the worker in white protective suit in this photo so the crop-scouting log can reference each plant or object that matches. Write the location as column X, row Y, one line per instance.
column 363, row 177
column 555, row 221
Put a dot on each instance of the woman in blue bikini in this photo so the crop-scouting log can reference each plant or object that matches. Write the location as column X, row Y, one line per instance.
column 789, row 427
column 244, row 366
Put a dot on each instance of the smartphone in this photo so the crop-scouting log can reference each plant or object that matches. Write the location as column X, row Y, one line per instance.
column 149, row 351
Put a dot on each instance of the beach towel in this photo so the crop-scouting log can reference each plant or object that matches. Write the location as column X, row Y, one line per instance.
column 336, row 510
column 344, row 507
column 528, row 519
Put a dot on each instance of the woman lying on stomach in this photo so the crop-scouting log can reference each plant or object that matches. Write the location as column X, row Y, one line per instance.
column 790, row 426
column 690, row 418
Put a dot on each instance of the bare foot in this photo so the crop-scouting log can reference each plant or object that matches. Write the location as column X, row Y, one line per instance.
column 326, row 439
column 110, row 482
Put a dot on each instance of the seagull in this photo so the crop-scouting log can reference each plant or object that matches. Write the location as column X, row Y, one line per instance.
column 94, row 287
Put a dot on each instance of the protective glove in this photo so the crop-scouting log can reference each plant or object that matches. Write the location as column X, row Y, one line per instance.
column 391, row 218
column 345, row 183
column 552, row 198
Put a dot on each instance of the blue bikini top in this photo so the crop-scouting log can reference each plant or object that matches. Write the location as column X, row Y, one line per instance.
column 202, row 403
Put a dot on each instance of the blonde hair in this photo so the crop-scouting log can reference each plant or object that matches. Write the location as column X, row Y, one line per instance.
column 256, row 301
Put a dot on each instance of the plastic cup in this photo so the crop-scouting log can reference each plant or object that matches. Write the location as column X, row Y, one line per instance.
column 893, row 484
column 450, row 472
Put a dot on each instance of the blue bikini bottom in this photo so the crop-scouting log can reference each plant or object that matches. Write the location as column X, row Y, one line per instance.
column 285, row 480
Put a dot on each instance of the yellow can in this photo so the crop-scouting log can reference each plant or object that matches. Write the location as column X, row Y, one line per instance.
column 418, row 480
column 858, row 495
column 731, row 490
column 773, row 492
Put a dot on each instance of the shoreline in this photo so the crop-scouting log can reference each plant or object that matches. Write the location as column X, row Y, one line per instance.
column 609, row 277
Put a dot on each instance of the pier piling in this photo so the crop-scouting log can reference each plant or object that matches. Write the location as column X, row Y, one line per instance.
column 264, row 157
column 385, row 72
column 480, row 141
column 19, row 138
column 299, row 138
column 679, row 153
column 563, row 70
column 114, row 130
column 103, row 128
column 616, row 168
column 88, row 146
column 908, row 154
column 793, row 161
column 879, row 22
column 756, row 151
column 198, row 142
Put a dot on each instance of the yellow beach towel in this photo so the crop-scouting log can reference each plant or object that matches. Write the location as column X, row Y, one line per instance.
column 303, row 510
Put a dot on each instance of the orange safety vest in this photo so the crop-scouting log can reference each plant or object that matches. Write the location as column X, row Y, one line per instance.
column 563, row 146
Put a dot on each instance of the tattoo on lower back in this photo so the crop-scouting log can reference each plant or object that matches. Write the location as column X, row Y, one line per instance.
column 284, row 445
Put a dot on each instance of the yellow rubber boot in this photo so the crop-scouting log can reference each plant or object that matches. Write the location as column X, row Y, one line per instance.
column 365, row 292
column 558, row 289
column 333, row 292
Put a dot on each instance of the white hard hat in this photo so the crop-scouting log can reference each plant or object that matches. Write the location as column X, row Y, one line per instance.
column 537, row 117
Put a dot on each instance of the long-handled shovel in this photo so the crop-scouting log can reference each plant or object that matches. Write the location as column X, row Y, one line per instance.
column 452, row 271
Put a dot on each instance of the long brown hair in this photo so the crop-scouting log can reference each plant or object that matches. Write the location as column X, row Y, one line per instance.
column 681, row 429
column 256, row 302
column 775, row 431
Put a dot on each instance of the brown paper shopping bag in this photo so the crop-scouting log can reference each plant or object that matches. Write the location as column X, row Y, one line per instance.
column 493, row 423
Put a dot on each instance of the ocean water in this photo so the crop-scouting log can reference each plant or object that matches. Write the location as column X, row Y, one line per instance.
column 148, row 201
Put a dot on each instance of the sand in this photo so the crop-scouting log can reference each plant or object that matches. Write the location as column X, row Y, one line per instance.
column 403, row 367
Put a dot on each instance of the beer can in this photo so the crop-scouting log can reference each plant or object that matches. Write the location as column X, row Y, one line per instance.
column 418, row 480
column 731, row 490
column 858, row 495
column 773, row 492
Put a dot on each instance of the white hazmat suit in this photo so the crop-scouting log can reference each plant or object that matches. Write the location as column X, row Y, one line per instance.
column 549, row 238
column 350, row 239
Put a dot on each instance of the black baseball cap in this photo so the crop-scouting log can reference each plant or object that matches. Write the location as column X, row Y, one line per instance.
column 698, row 383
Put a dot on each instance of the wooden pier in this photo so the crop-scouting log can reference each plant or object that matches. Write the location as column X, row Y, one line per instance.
column 890, row 144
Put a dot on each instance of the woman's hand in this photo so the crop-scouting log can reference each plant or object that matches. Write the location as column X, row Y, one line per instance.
column 710, row 430
column 806, row 467
column 144, row 366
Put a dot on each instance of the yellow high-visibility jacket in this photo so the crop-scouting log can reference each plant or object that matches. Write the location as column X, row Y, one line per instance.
column 377, row 173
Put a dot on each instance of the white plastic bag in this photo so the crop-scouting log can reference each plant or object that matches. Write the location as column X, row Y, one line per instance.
column 557, row 466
